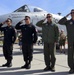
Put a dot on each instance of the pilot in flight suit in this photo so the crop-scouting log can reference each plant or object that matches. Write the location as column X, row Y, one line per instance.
column 70, row 34
column 29, row 37
column 9, row 39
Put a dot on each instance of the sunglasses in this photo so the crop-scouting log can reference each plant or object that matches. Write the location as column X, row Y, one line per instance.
column 26, row 19
column 48, row 17
column 7, row 21
column 72, row 12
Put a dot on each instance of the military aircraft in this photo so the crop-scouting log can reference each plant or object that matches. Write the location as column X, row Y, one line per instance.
column 34, row 12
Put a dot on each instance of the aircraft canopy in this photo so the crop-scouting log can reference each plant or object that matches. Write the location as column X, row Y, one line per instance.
column 27, row 8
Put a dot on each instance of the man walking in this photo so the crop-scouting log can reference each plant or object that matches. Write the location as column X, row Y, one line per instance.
column 50, row 35
column 29, row 37
column 9, row 39
column 70, row 33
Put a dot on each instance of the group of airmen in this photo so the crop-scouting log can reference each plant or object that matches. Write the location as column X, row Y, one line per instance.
column 50, row 34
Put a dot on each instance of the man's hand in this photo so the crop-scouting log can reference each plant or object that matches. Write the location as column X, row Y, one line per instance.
column 22, row 21
column 68, row 14
column 4, row 22
column 44, row 19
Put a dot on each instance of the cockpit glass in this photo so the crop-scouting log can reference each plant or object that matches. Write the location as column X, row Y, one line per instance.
column 35, row 9
column 28, row 8
column 23, row 9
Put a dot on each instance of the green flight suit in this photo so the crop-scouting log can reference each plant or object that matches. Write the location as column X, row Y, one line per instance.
column 50, row 35
column 70, row 34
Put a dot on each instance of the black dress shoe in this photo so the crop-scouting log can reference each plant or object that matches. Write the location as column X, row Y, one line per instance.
column 4, row 65
column 53, row 69
column 24, row 66
column 47, row 68
column 7, row 65
column 28, row 66
column 71, row 71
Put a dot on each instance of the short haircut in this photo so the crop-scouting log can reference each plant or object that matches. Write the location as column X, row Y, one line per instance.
column 49, row 14
column 9, row 19
column 72, row 10
column 27, row 16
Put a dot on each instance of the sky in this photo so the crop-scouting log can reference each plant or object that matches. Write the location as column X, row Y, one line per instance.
column 51, row 6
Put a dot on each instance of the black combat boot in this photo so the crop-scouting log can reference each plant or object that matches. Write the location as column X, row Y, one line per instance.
column 47, row 68
column 71, row 71
column 8, row 64
column 26, row 64
column 29, row 65
column 4, row 65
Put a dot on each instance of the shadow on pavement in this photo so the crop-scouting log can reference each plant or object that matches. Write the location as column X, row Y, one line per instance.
column 36, row 51
column 56, row 73
column 14, row 53
column 15, row 71
column 8, row 69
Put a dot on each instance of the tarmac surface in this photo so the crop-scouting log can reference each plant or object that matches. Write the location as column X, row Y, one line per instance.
column 38, row 64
